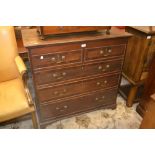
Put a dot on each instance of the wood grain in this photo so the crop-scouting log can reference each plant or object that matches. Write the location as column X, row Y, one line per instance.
column 68, row 87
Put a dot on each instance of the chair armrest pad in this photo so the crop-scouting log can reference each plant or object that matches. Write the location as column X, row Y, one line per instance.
column 20, row 65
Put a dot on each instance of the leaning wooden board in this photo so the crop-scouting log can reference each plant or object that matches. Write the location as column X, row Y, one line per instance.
column 76, row 73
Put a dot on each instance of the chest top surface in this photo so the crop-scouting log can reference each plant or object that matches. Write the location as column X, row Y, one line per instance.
column 148, row 30
column 32, row 39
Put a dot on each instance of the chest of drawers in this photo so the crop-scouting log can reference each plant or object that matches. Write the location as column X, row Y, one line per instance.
column 75, row 74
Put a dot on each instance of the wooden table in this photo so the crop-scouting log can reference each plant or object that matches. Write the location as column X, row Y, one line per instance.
column 140, row 50
column 148, row 90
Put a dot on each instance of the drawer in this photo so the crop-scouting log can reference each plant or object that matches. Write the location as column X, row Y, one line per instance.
column 104, row 52
column 63, row 47
column 59, row 109
column 101, row 83
column 58, row 92
column 54, row 59
column 75, row 88
column 52, row 75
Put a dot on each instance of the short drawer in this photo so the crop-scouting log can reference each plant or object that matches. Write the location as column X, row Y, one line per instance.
column 57, row 75
column 75, row 88
column 104, row 52
column 55, row 59
column 59, row 109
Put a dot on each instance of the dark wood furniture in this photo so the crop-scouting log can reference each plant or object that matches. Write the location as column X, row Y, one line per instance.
column 75, row 73
column 148, row 121
column 148, row 90
column 45, row 31
column 23, row 52
column 140, row 50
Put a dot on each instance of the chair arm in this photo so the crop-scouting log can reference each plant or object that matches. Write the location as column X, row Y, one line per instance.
column 153, row 97
column 23, row 72
column 20, row 65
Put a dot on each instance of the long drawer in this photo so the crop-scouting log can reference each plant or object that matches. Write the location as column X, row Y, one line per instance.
column 60, row 74
column 79, row 87
column 61, row 108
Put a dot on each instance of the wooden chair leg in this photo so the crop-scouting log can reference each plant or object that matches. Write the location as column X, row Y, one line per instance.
column 34, row 120
column 131, row 96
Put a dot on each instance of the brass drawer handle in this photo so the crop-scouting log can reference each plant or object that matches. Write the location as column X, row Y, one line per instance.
column 64, row 73
column 61, row 93
column 62, row 109
column 96, row 98
column 61, row 76
column 56, row 93
column 65, row 106
column 53, row 59
column 54, row 75
column 109, row 50
column 63, row 57
column 101, row 52
column 99, row 83
column 105, row 81
column 107, row 66
column 57, row 108
column 100, row 99
column 103, row 69
column 99, row 67
column 106, row 52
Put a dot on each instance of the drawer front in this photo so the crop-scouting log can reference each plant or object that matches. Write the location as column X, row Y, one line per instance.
column 45, row 60
column 66, row 107
column 101, row 83
column 52, row 75
column 57, row 92
column 104, row 52
column 55, row 48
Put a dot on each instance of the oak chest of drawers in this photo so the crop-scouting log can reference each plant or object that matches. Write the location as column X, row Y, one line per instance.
column 75, row 73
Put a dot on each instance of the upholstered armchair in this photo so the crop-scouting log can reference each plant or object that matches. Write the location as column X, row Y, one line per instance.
column 15, row 99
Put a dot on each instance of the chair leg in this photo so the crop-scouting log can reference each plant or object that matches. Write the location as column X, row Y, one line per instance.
column 131, row 96
column 34, row 120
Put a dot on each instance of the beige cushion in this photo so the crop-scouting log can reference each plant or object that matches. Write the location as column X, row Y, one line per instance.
column 13, row 101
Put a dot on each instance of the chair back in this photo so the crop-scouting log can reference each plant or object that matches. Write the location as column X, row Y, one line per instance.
column 8, row 52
